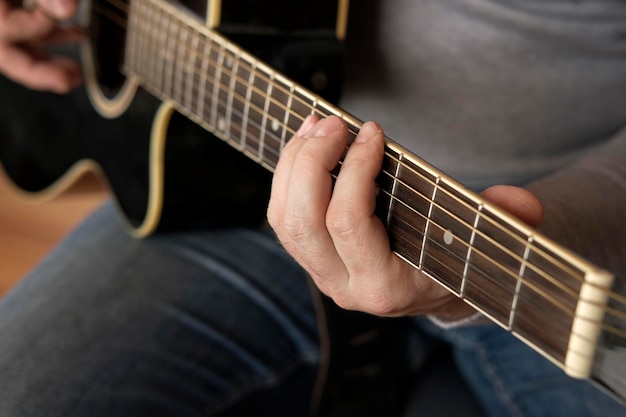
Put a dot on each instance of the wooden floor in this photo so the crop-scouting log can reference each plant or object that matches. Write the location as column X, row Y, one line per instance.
column 28, row 231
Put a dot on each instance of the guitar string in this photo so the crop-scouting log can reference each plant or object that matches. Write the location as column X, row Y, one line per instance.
column 236, row 75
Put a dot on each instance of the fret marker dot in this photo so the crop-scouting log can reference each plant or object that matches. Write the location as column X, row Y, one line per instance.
column 221, row 124
column 448, row 237
column 275, row 125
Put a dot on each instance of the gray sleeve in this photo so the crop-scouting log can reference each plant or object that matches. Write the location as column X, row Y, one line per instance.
column 585, row 205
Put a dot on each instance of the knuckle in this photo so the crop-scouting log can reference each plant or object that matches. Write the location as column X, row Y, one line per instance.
column 382, row 303
column 296, row 226
column 345, row 302
column 379, row 304
column 342, row 222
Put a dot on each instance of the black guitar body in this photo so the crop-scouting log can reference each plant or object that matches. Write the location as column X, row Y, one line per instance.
column 207, row 183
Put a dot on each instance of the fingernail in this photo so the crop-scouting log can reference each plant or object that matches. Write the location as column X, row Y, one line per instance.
column 368, row 131
column 325, row 127
column 306, row 125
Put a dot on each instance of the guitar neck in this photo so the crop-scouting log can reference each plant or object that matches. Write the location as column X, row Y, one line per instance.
column 544, row 294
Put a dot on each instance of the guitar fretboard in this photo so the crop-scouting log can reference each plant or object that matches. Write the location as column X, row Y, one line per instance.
column 520, row 279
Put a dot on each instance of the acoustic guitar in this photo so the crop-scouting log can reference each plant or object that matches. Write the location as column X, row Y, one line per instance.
column 566, row 308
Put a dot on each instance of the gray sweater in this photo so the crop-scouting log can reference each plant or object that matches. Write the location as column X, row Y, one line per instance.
column 525, row 92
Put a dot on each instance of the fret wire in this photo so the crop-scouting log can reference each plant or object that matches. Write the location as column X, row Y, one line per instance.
column 192, row 77
column 268, row 141
column 211, row 74
column 232, row 64
column 248, row 140
column 286, row 120
column 217, row 85
column 266, row 105
column 178, row 67
column 469, row 249
column 429, row 215
column 147, row 46
column 224, row 119
column 518, row 285
column 187, row 64
column 171, row 52
column 161, row 52
column 247, row 103
column 143, row 21
column 203, row 78
column 276, row 114
column 130, row 53
column 193, row 56
column 145, row 57
column 393, row 191
column 138, row 58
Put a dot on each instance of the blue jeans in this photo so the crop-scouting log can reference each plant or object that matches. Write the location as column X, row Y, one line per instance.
column 216, row 323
